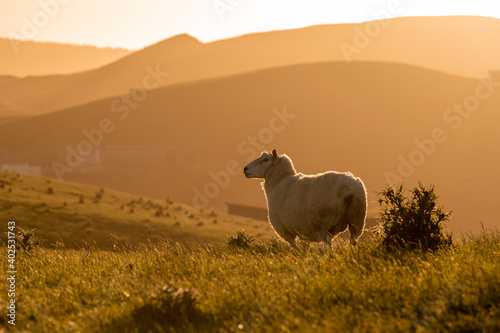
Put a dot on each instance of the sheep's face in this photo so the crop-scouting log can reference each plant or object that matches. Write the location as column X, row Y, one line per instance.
column 258, row 167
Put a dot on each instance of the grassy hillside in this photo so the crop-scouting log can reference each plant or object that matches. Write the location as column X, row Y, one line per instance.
column 263, row 287
column 79, row 214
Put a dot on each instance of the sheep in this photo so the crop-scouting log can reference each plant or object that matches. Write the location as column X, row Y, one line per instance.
column 314, row 207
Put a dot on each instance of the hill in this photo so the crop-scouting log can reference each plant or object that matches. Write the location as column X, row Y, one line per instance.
column 23, row 58
column 460, row 45
column 80, row 215
column 374, row 119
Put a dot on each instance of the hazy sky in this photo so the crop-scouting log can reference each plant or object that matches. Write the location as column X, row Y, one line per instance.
column 138, row 23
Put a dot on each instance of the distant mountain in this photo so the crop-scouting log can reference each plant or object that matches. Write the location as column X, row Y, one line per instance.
column 461, row 45
column 27, row 58
column 113, row 79
column 378, row 120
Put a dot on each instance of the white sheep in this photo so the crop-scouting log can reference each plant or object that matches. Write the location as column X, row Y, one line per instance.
column 314, row 207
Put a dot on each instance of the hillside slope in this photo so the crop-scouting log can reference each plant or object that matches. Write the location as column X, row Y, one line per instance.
column 79, row 214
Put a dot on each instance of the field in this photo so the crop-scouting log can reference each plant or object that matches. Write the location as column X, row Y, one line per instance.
column 113, row 262
column 77, row 214
column 236, row 285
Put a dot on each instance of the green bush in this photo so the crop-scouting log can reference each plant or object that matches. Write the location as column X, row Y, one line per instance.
column 414, row 222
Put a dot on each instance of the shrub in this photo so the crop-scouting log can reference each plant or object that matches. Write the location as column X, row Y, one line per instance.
column 98, row 195
column 412, row 223
column 241, row 240
column 27, row 240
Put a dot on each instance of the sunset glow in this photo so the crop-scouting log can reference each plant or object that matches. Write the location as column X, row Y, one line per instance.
column 134, row 24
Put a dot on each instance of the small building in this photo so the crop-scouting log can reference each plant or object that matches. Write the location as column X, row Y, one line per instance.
column 256, row 213
column 25, row 169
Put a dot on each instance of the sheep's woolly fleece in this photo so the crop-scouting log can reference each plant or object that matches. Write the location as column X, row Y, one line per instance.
column 314, row 207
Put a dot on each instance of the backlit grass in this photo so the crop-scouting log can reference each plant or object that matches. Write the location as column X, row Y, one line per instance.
column 259, row 287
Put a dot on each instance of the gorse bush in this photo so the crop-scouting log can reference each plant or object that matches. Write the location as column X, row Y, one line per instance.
column 27, row 240
column 241, row 240
column 414, row 222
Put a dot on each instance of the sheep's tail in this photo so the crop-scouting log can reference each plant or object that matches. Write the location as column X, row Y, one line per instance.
column 356, row 213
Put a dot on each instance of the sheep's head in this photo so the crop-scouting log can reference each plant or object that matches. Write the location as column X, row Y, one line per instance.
column 258, row 167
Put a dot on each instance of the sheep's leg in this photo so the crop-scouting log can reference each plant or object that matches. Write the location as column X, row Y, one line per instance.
column 356, row 215
column 327, row 240
column 337, row 228
column 286, row 235
column 355, row 232
column 289, row 238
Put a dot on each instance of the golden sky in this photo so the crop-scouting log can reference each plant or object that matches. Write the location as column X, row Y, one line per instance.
column 137, row 23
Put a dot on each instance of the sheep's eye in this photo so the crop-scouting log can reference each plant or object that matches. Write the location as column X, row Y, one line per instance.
column 265, row 160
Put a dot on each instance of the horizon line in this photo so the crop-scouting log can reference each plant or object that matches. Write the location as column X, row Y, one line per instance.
column 118, row 47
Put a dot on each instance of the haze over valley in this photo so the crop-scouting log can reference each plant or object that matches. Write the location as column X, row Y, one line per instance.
column 416, row 102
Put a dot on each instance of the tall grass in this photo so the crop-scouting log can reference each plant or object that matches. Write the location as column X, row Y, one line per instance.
column 259, row 287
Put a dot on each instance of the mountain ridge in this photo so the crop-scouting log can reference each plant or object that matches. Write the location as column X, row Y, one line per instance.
column 199, row 61
column 23, row 58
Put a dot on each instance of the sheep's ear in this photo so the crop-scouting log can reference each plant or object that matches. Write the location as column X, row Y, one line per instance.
column 275, row 154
